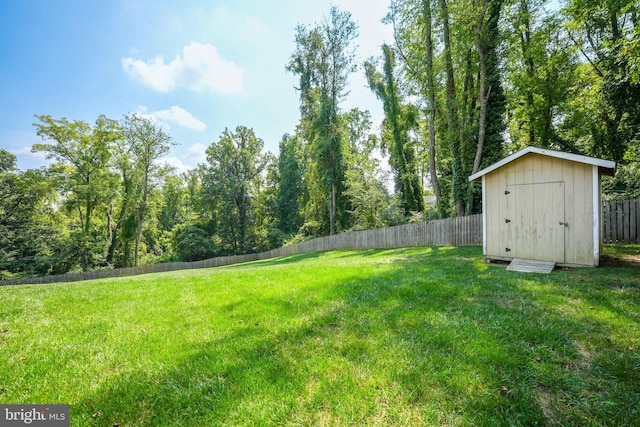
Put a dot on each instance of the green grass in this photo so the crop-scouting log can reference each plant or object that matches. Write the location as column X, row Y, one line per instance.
column 424, row 336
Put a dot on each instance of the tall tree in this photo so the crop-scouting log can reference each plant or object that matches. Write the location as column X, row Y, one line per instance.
column 123, row 201
column 323, row 60
column 233, row 178
column 399, row 120
column 291, row 186
column 431, row 90
column 491, row 95
column 412, row 22
column 86, row 152
column 364, row 179
column 540, row 67
column 268, row 234
column 605, row 32
column 436, row 45
column 148, row 144
column 454, row 135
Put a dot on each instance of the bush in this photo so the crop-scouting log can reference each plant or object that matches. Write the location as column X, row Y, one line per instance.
column 192, row 243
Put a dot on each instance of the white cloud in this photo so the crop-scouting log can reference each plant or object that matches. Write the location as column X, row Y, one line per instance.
column 174, row 115
column 184, row 162
column 177, row 163
column 199, row 68
column 197, row 153
column 19, row 143
column 26, row 151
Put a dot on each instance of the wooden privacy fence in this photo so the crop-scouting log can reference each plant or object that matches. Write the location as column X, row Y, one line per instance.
column 460, row 231
column 621, row 221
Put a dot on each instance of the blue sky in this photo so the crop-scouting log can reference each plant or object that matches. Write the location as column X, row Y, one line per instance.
column 197, row 67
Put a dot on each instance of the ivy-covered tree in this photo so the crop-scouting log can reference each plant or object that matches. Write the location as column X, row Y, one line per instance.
column 400, row 119
column 323, row 61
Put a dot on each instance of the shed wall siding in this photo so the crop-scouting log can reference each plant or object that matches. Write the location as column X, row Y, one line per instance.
column 577, row 179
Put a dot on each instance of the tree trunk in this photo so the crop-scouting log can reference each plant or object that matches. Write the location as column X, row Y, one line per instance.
column 482, row 122
column 140, row 216
column 110, row 222
column 332, row 210
column 114, row 233
column 136, row 256
column 85, row 233
column 431, row 89
column 483, row 91
column 525, row 41
column 454, row 130
column 241, row 201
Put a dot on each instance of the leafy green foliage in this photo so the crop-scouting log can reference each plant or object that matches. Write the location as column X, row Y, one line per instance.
column 291, row 186
column 625, row 184
column 541, row 71
column 364, row 182
column 148, row 143
column 232, row 179
column 489, row 39
column 192, row 243
column 606, row 36
column 85, row 151
column 31, row 243
column 7, row 161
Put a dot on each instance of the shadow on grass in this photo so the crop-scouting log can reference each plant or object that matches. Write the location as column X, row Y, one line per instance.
column 438, row 339
column 419, row 253
column 622, row 255
column 292, row 259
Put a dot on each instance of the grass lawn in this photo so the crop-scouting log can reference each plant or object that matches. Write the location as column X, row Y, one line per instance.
column 410, row 337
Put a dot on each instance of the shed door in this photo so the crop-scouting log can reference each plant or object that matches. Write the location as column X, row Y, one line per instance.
column 535, row 223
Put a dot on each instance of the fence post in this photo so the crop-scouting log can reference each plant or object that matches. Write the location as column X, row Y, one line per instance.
column 606, row 223
column 633, row 213
column 637, row 203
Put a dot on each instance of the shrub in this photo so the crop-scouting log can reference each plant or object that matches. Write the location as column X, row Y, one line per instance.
column 192, row 243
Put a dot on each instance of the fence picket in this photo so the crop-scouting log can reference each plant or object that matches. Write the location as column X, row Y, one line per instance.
column 637, row 203
column 633, row 213
column 621, row 221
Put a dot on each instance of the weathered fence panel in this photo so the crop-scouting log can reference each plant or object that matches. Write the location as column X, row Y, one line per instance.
column 460, row 231
column 621, row 221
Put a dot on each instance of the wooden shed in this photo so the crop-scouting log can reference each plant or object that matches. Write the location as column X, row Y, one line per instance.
column 545, row 205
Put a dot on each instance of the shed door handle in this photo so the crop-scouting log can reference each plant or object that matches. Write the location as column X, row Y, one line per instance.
column 566, row 224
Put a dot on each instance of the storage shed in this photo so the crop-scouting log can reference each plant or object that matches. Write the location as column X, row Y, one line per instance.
column 545, row 205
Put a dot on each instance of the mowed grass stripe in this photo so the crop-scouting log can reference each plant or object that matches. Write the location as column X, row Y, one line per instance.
column 420, row 336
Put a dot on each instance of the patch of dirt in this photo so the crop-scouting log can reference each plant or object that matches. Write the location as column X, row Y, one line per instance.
column 543, row 399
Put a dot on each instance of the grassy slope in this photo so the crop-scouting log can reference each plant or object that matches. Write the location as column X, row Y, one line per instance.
column 427, row 336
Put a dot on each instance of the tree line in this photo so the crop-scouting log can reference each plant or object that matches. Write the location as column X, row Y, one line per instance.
column 463, row 84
